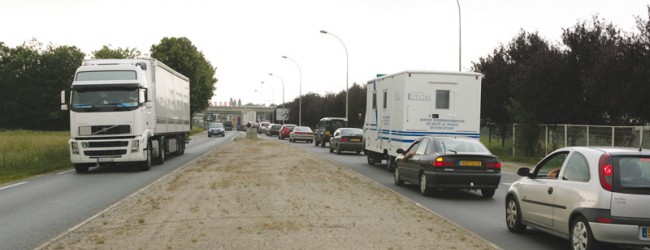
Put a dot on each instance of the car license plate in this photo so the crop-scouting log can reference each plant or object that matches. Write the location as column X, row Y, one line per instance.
column 355, row 140
column 471, row 163
column 643, row 233
column 105, row 159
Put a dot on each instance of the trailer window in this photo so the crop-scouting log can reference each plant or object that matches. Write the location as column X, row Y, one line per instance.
column 385, row 99
column 442, row 99
column 374, row 100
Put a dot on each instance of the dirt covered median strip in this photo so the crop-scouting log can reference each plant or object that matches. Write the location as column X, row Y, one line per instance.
column 261, row 194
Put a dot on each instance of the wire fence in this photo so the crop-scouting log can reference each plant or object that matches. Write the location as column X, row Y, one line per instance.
column 551, row 137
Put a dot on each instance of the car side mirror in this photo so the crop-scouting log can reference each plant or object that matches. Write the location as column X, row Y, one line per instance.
column 525, row 172
column 400, row 151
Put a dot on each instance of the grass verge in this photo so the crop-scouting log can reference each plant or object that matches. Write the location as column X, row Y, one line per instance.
column 28, row 153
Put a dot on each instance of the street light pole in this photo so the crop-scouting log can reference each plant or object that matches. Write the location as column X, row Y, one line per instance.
column 300, row 91
column 282, row 81
column 459, row 36
column 347, row 72
column 272, row 98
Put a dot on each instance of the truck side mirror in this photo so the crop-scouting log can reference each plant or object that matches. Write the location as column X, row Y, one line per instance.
column 64, row 106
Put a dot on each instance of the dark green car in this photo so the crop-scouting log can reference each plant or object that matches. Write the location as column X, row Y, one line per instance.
column 326, row 128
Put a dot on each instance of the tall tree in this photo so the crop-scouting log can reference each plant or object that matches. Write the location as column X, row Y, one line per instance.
column 33, row 78
column 106, row 52
column 181, row 55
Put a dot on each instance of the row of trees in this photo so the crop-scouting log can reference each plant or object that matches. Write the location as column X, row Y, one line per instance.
column 32, row 76
column 315, row 107
column 598, row 74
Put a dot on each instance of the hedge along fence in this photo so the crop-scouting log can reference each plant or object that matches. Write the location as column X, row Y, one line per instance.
column 555, row 136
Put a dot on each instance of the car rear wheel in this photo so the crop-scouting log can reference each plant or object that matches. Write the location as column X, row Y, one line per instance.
column 487, row 192
column 581, row 236
column 424, row 190
column 338, row 149
column 513, row 216
column 331, row 149
column 396, row 178
column 390, row 164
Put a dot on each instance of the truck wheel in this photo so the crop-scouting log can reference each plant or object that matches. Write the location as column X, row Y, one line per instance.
column 390, row 164
column 146, row 165
column 81, row 168
column 161, row 151
column 371, row 159
column 316, row 143
column 322, row 143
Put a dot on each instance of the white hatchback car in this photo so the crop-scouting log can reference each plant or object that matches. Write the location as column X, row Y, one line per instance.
column 588, row 195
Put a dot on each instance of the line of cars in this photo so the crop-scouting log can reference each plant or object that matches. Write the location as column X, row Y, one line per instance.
column 589, row 195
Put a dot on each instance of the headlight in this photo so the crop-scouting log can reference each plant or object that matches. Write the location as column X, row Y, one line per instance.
column 135, row 145
column 74, row 147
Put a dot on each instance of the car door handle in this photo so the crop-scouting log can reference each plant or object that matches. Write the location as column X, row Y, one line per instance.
column 550, row 190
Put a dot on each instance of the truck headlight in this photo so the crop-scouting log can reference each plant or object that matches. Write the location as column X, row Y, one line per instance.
column 74, row 147
column 135, row 145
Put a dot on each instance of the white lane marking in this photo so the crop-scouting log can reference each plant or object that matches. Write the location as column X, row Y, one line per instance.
column 65, row 172
column 13, row 185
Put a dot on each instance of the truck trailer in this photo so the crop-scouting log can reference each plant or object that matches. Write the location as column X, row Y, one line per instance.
column 405, row 106
column 126, row 111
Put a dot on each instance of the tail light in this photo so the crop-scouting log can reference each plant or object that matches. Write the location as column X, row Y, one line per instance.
column 493, row 164
column 605, row 171
column 440, row 162
column 343, row 139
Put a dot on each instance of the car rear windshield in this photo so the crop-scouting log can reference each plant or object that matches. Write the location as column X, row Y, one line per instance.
column 352, row 132
column 460, row 145
column 632, row 173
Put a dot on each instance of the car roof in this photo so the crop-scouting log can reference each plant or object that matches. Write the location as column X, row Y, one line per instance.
column 611, row 150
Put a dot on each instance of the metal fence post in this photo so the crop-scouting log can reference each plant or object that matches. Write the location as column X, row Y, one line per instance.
column 566, row 132
column 514, row 136
column 546, row 140
column 587, row 135
column 613, row 139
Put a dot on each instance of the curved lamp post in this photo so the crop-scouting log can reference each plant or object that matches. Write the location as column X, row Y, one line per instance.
column 300, row 91
column 459, row 36
column 271, row 74
column 347, row 71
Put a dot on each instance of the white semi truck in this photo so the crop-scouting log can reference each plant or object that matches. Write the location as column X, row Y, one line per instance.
column 127, row 110
column 405, row 106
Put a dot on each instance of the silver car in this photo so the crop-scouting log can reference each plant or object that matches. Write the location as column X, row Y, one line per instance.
column 588, row 195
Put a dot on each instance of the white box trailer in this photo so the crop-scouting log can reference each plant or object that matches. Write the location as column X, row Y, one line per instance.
column 405, row 106
column 127, row 110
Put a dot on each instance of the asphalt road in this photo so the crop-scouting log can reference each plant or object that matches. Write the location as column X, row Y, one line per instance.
column 38, row 209
column 482, row 216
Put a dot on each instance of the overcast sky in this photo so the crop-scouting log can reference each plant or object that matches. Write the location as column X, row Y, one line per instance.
column 246, row 40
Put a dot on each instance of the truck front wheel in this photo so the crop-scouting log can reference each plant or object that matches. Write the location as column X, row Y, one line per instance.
column 146, row 165
column 81, row 168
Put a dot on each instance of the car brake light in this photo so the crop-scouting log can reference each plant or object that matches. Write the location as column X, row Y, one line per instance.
column 440, row 162
column 605, row 171
column 493, row 164
column 344, row 139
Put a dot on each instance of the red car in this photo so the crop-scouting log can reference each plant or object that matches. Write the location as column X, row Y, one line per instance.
column 285, row 130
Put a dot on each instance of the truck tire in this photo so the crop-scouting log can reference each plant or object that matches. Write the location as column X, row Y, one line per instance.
column 322, row 143
column 161, row 151
column 371, row 159
column 146, row 164
column 81, row 168
column 316, row 142
column 390, row 164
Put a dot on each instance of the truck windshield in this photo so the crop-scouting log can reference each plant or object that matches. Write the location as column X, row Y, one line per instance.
column 105, row 99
